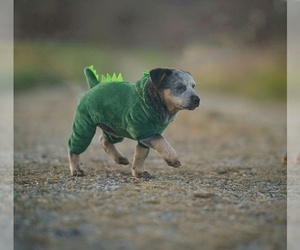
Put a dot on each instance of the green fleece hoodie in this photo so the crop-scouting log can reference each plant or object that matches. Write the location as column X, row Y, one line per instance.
column 123, row 108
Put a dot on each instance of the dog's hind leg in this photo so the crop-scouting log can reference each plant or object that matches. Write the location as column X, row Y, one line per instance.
column 139, row 157
column 110, row 149
column 75, row 165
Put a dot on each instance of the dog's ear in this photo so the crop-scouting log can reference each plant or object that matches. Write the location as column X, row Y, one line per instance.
column 158, row 75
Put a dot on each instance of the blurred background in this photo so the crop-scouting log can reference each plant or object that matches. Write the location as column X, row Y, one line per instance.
column 231, row 147
column 236, row 47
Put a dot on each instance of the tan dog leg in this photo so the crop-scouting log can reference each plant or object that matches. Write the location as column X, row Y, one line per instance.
column 159, row 143
column 139, row 157
column 75, row 165
column 110, row 149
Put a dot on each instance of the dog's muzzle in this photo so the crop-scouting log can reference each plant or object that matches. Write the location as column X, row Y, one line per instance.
column 194, row 102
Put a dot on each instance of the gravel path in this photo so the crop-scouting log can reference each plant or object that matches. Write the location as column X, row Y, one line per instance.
column 230, row 192
column 6, row 170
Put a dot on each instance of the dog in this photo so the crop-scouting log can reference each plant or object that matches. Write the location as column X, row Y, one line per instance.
column 139, row 111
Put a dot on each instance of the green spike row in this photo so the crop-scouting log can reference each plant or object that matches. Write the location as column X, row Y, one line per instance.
column 108, row 77
column 113, row 78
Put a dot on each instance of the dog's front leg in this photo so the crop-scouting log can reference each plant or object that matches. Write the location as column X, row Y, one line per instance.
column 159, row 143
column 75, row 165
column 139, row 157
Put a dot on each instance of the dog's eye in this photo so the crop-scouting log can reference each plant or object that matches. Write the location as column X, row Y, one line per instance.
column 193, row 86
column 181, row 88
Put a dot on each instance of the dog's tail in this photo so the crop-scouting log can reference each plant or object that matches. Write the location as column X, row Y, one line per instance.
column 91, row 76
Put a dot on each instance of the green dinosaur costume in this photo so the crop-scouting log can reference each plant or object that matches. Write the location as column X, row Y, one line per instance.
column 120, row 108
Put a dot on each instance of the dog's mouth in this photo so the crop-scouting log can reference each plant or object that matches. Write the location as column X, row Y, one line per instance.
column 188, row 107
column 192, row 107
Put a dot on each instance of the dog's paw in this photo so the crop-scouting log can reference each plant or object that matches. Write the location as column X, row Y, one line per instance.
column 175, row 163
column 122, row 160
column 144, row 175
column 78, row 172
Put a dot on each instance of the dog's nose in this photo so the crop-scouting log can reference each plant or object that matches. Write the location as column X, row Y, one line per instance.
column 195, row 100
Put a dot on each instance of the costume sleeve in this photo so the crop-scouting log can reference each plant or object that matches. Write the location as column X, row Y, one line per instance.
column 83, row 131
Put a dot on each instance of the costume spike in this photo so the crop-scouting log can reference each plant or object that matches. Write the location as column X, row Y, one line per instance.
column 108, row 77
column 146, row 73
column 119, row 78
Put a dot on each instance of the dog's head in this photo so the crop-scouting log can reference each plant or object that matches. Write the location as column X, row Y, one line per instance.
column 176, row 87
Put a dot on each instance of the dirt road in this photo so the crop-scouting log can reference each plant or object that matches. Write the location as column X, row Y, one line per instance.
column 230, row 192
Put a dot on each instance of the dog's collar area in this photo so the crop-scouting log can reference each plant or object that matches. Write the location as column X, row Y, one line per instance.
column 140, row 87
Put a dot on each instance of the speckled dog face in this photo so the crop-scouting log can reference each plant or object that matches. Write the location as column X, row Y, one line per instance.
column 177, row 88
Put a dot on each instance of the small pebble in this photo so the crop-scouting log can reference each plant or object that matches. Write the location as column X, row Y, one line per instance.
column 204, row 195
